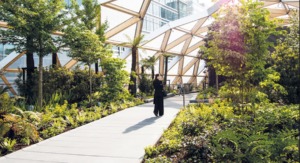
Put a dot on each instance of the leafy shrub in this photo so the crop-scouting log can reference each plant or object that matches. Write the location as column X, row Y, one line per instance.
column 216, row 133
column 6, row 103
column 7, row 145
column 146, row 85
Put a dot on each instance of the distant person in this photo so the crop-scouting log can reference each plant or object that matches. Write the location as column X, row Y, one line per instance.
column 158, row 96
column 179, row 89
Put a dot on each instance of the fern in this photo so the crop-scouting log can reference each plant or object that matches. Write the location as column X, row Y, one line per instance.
column 8, row 144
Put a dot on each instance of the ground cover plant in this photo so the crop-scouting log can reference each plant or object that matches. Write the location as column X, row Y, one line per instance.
column 20, row 127
column 220, row 132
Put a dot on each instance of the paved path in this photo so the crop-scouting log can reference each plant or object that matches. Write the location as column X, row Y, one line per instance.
column 118, row 138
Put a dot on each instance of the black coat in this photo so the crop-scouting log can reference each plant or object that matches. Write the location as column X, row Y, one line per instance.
column 158, row 87
column 158, row 98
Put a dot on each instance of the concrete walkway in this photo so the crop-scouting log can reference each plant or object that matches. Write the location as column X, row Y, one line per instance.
column 118, row 138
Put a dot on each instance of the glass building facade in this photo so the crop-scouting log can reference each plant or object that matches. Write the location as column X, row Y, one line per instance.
column 160, row 12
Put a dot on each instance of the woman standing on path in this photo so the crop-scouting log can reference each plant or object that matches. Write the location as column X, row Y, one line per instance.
column 158, row 96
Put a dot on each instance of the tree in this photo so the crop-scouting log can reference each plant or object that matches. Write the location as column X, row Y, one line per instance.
column 85, row 47
column 238, row 50
column 88, row 16
column 43, row 17
column 115, row 78
column 148, row 63
column 286, row 61
column 134, row 44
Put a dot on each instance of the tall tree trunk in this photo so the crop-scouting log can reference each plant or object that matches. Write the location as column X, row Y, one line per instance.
column 54, row 60
column 166, row 70
column 30, row 65
column 96, row 67
column 40, row 98
column 132, row 85
column 152, row 72
column 90, row 74
column 29, row 94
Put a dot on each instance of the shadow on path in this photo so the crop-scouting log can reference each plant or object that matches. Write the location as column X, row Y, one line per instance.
column 141, row 124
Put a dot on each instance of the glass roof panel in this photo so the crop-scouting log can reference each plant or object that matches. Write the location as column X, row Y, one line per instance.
column 63, row 57
column 134, row 6
column 19, row 63
column 190, row 71
column 174, row 69
column 194, row 53
column 195, row 39
column 113, row 17
column 208, row 21
column 145, row 54
column 171, row 78
column 199, row 79
column 276, row 6
column 201, row 66
column 128, row 64
column 156, row 67
column 11, row 77
column 175, row 34
column 185, row 79
column 178, row 48
column 189, row 26
column 187, row 60
column 121, row 36
column 155, row 43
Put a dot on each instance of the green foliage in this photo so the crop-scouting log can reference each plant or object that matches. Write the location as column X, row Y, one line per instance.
column 207, row 93
column 6, row 103
column 8, row 144
column 286, row 61
column 43, row 17
column 159, row 159
column 61, row 84
column 134, row 44
column 146, row 85
column 115, row 78
column 238, row 48
column 219, row 132
column 15, row 126
column 85, row 45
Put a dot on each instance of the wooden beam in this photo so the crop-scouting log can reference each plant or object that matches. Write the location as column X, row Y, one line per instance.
column 186, row 45
column 277, row 12
column 199, row 24
column 180, row 66
column 161, row 64
column 293, row 3
column 165, row 40
column 107, row 2
column 13, row 70
column 138, row 29
column 6, row 82
column 202, row 30
column 177, row 41
column 196, row 68
column 70, row 64
column 144, row 8
column 122, row 27
column 189, row 65
column 121, row 9
column 13, row 60
column 195, row 46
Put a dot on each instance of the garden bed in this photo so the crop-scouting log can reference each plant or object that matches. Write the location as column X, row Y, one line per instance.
column 219, row 132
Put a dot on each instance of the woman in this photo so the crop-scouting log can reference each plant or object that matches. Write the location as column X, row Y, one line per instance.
column 158, row 96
